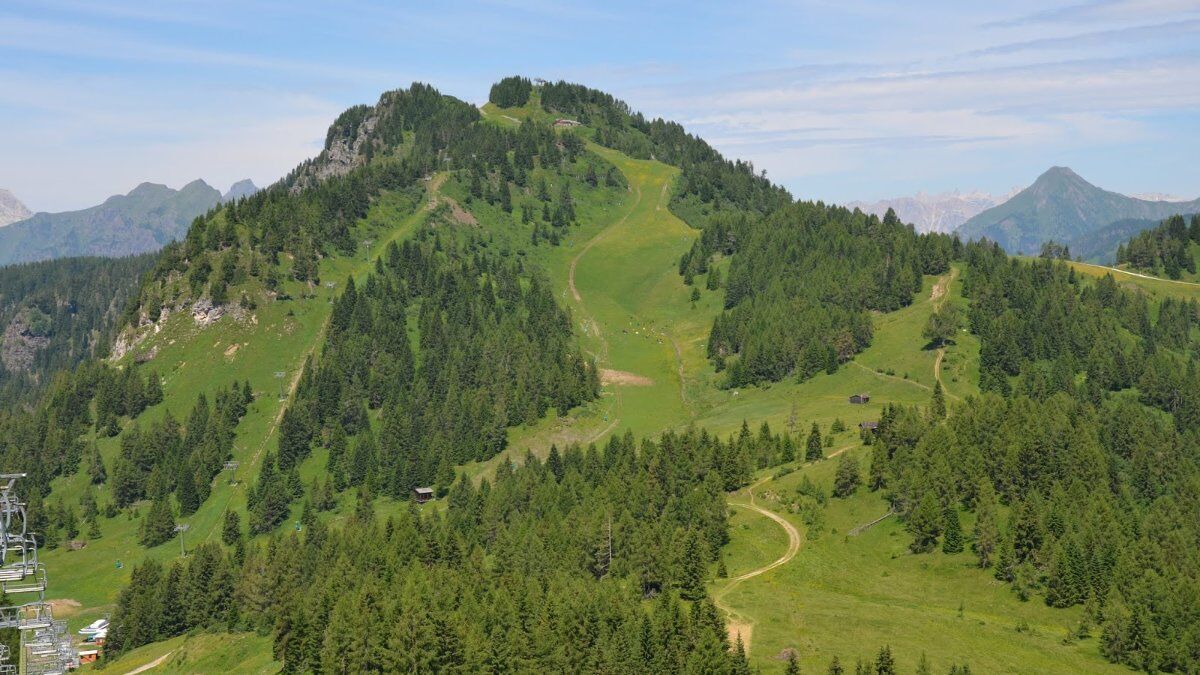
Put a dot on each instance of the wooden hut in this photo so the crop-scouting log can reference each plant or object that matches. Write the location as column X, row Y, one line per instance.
column 422, row 494
column 860, row 398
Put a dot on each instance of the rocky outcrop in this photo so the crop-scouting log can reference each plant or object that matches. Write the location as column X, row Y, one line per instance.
column 21, row 344
column 205, row 313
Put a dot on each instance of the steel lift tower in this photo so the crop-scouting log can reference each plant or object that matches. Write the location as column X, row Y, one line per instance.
column 45, row 644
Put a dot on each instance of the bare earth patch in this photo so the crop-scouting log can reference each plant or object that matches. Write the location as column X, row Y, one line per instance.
column 64, row 607
column 620, row 377
column 740, row 628
column 460, row 214
column 232, row 349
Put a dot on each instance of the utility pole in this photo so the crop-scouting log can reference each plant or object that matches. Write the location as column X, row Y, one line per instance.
column 181, row 528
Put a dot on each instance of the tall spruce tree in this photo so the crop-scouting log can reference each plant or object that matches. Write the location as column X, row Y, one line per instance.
column 953, row 541
column 815, row 449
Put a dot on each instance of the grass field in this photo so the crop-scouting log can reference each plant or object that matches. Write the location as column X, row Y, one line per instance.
column 848, row 596
column 1156, row 287
column 227, row 653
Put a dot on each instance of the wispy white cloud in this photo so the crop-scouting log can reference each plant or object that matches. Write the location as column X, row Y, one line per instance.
column 1100, row 38
column 1102, row 10
column 73, row 39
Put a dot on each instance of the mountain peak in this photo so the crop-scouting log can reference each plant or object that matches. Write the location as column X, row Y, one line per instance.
column 242, row 188
column 1060, row 175
column 196, row 184
column 11, row 208
column 1063, row 207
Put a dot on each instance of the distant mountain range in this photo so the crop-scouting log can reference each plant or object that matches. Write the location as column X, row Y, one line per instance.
column 1063, row 207
column 242, row 188
column 144, row 220
column 11, row 208
column 934, row 213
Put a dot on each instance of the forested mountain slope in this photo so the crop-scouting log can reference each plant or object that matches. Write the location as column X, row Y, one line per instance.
column 58, row 313
column 519, row 316
column 139, row 222
column 1060, row 206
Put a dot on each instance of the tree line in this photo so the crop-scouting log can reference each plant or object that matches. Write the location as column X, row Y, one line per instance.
column 1166, row 249
column 1082, row 492
column 544, row 567
column 451, row 345
column 802, row 283
column 72, row 308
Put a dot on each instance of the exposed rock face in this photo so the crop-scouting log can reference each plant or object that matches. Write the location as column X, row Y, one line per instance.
column 21, row 344
column 11, row 208
column 343, row 152
column 205, row 313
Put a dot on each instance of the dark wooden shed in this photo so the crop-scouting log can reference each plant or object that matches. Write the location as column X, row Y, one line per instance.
column 422, row 494
column 860, row 398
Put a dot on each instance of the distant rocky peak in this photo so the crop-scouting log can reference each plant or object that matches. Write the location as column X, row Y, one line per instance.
column 11, row 208
column 242, row 188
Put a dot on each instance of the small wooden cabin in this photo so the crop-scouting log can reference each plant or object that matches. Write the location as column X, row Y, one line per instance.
column 860, row 398
column 422, row 494
column 868, row 426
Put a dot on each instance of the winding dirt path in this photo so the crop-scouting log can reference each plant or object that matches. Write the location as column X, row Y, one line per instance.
column 738, row 624
column 153, row 664
column 938, row 296
column 1139, row 274
column 637, row 190
column 793, row 540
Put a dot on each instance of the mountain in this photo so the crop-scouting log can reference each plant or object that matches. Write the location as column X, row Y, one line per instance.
column 934, row 213
column 1100, row 246
column 534, row 327
column 147, row 218
column 11, row 208
column 242, row 188
column 1063, row 207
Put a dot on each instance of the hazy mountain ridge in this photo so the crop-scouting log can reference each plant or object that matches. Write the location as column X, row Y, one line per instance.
column 146, row 219
column 1062, row 206
column 934, row 212
column 11, row 208
column 242, row 188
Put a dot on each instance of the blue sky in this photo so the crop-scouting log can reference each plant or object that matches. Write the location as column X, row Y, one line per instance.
column 837, row 100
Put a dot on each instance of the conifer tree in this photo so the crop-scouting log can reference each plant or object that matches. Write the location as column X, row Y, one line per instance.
column 741, row 665
column 884, row 663
column 815, row 449
column 692, row 568
column 953, row 541
column 924, row 523
column 158, row 526
column 986, row 533
column 231, row 530
column 793, row 666
column 847, row 479
column 154, row 392
column 937, row 405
